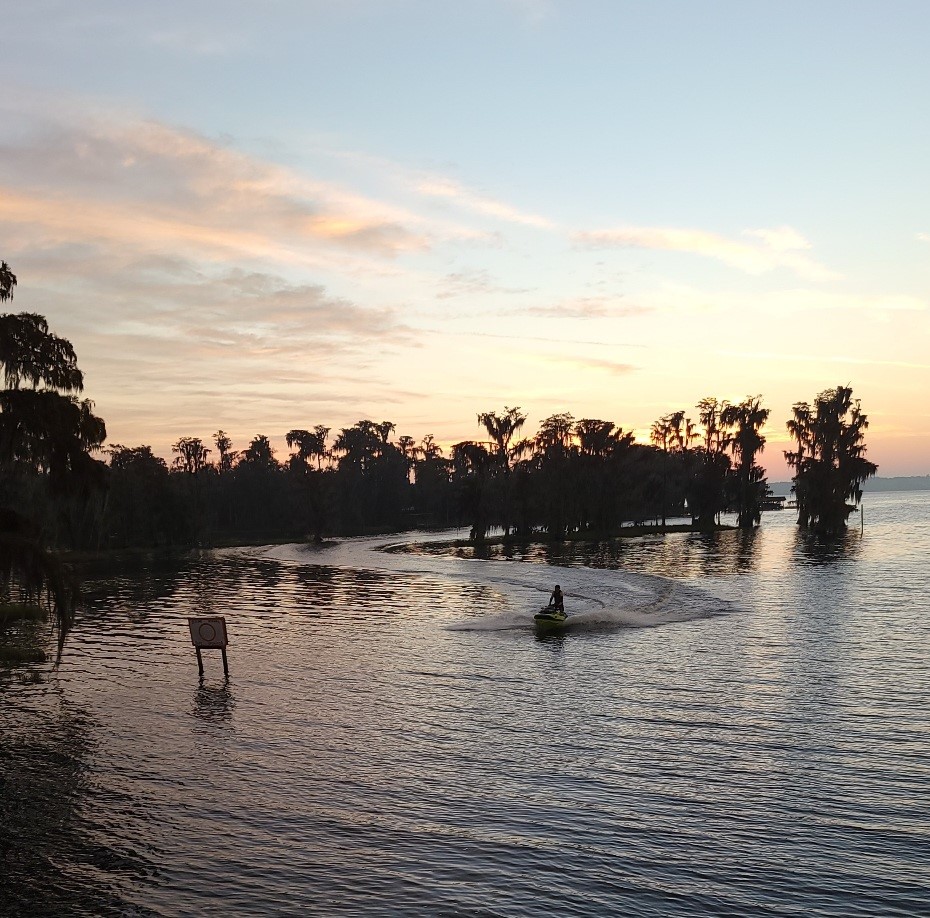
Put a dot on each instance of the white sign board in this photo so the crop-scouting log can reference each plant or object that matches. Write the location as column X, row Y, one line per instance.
column 208, row 632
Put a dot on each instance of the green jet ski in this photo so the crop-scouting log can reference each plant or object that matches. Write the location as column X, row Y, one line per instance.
column 548, row 616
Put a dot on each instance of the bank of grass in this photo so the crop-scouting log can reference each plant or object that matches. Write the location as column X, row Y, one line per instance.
column 18, row 651
column 542, row 538
column 15, row 655
column 160, row 552
column 20, row 612
column 140, row 553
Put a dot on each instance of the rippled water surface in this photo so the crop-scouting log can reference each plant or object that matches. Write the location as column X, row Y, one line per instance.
column 729, row 725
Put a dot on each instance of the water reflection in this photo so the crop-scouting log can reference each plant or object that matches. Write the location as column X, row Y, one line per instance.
column 553, row 639
column 374, row 762
column 676, row 555
column 811, row 548
column 46, row 852
column 213, row 704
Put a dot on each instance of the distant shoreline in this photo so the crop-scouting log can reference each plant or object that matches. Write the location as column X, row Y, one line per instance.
column 540, row 538
column 904, row 483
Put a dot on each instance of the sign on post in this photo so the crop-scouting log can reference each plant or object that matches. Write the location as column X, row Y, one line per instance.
column 209, row 633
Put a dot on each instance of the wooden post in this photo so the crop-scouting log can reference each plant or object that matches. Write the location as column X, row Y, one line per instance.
column 209, row 633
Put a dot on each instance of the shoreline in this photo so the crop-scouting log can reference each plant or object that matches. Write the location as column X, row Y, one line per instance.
column 628, row 532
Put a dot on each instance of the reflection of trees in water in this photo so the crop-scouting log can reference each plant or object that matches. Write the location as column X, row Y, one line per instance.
column 317, row 587
column 695, row 554
column 811, row 548
column 136, row 583
column 51, row 865
column 153, row 591
column 200, row 578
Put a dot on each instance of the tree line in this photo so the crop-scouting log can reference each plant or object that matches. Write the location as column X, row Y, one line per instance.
column 583, row 477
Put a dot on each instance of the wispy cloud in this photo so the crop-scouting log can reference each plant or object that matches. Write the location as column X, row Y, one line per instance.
column 775, row 305
column 587, row 307
column 924, row 237
column 463, row 197
column 473, row 283
column 461, row 200
column 781, row 247
column 816, row 358
column 551, row 339
column 146, row 184
column 220, row 347
column 613, row 367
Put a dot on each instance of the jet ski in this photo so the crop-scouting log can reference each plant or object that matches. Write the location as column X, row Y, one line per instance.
column 548, row 616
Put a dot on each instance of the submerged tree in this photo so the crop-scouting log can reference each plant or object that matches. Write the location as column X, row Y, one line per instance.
column 372, row 477
column 471, row 472
column 673, row 435
column 307, row 444
column 502, row 428
column 46, row 436
column 829, row 463
column 746, row 421
column 554, row 455
column 710, row 469
column 141, row 509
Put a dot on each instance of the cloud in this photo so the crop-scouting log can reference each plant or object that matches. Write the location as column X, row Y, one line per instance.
column 153, row 326
column 588, row 307
column 465, row 283
column 781, row 247
column 924, row 237
column 434, row 186
column 805, row 300
column 459, row 195
column 546, row 339
column 613, row 367
column 205, row 306
column 171, row 347
column 780, row 239
column 151, row 186
column 472, row 283
column 777, row 305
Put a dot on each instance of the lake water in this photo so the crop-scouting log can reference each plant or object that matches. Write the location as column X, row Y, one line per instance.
column 730, row 725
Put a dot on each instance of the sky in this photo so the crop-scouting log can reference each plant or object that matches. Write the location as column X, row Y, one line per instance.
column 264, row 216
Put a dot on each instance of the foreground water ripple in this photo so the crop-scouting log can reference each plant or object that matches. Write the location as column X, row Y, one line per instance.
column 729, row 726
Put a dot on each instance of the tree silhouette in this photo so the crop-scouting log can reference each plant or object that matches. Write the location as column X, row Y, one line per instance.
column 308, row 480
column 672, row 434
column 555, row 452
column 7, row 282
column 711, row 466
column 502, row 428
column 142, row 509
column 471, row 472
column 830, row 463
column 799, row 426
column 192, row 455
column 259, row 455
column 372, row 477
column 46, row 435
column 432, row 491
column 224, row 447
column 747, row 419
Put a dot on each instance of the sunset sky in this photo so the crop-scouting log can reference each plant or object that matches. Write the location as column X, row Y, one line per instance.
column 262, row 216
